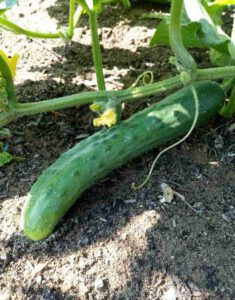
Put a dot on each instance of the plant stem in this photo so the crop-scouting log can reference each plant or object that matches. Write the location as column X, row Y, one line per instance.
column 7, row 117
column 216, row 73
column 181, row 53
column 126, row 3
column 96, row 51
column 88, row 97
column 155, row 15
column 228, row 84
column 8, row 25
column 77, row 15
column 24, row 109
column 10, row 88
column 233, row 30
column 71, row 18
column 228, row 109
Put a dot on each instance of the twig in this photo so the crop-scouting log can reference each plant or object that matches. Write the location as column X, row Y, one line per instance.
column 182, row 198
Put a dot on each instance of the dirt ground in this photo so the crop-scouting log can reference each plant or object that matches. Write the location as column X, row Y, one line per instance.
column 115, row 243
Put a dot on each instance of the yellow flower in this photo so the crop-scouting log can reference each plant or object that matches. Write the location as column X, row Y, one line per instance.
column 11, row 62
column 108, row 118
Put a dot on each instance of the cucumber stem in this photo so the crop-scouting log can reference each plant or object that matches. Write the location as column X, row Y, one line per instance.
column 24, row 109
column 96, row 51
column 181, row 53
column 8, row 25
column 216, row 73
column 228, row 84
column 71, row 18
column 228, row 109
column 77, row 15
column 74, row 17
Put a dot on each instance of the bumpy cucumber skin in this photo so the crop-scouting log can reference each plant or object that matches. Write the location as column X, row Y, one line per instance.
column 63, row 182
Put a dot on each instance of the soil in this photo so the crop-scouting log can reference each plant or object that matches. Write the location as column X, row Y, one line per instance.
column 115, row 243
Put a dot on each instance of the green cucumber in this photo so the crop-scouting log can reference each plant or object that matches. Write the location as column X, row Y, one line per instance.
column 63, row 182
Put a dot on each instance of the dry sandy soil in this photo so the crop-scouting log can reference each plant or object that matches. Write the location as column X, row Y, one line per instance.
column 115, row 243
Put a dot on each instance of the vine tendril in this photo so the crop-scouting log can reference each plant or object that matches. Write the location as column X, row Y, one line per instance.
column 196, row 102
column 146, row 78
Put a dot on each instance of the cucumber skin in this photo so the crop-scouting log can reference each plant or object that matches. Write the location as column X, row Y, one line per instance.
column 58, row 187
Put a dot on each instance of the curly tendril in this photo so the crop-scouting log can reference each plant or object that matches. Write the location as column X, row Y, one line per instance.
column 146, row 78
column 196, row 101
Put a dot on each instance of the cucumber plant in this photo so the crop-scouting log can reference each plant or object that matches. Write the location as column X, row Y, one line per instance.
column 63, row 182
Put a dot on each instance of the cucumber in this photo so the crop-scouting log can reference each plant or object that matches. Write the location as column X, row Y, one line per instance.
column 58, row 187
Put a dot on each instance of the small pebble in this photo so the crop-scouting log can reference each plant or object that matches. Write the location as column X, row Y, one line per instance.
column 219, row 143
column 81, row 136
column 130, row 201
column 19, row 140
column 99, row 283
column 38, row 279
column 197, row 205
column 83, row 288
column 229, row 216
column 231, row 127
column 194, row 289
column 226, row 218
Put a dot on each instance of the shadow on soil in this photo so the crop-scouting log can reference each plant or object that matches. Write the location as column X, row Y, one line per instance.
column 41, row 291
column 76, row 58
column 200, row 255
column 60, row 11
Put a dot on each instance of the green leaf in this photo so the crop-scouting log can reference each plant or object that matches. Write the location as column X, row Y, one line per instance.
column 5, row 158
column 224, row 2
column 215, row 8
column 198, row 30
column 5, row 133
column 126, row 3
column 6, row 5
column 161, row 35
column 220, row 59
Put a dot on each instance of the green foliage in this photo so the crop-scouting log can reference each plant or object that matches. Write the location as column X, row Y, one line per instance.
column 3, row 94
column 214, row 8
column 126, row 3
column 5, row 158
column 6, row 5
column 228, row 109
column 4, row 133
column 199, row 28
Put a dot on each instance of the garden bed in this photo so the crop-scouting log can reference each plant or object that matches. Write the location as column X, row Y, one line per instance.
column 115, row 243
